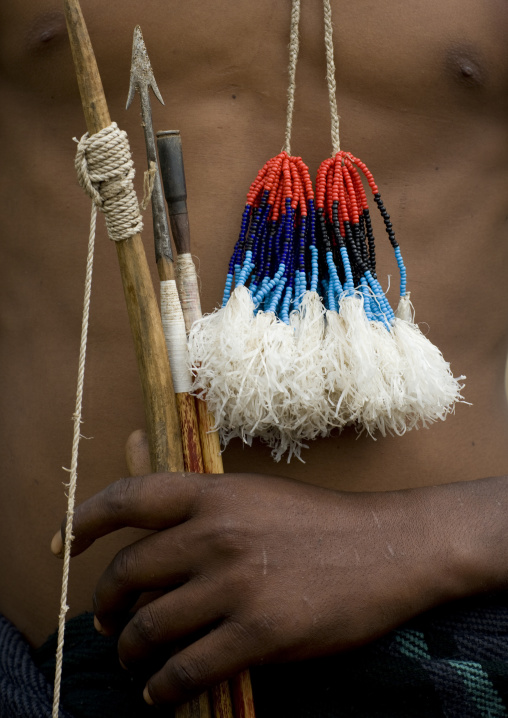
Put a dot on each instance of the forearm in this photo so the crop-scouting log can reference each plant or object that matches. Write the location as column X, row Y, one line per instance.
column 438, row 544
column 281, row 570
column 470, row 520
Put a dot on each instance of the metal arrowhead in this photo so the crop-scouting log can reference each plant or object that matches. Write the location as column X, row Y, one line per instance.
column 141, row 69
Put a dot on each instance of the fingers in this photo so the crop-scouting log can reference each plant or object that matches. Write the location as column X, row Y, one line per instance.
column 154, row 502
column 168, row 619
column 137, row 454
column 209, row 661
column 159, row 561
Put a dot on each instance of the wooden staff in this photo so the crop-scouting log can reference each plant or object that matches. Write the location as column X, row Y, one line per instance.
column 163, row 427
column 169, row 144
column 141, row 79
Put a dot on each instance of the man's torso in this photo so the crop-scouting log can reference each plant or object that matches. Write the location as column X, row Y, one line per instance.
column 422, row 99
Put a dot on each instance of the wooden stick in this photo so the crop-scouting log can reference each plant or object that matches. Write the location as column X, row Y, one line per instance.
column 173, row 176
column 163, row 427
column 243, row 699
column 169, row 144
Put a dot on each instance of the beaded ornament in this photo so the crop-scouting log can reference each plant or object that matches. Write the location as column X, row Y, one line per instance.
column 306, row 340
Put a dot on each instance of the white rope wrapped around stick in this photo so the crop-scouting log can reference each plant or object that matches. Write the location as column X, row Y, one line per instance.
column 105, row 171
column 188, row 289
column 176, row 338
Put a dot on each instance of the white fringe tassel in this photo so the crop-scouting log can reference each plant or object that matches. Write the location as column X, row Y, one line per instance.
column 260, row 376
column 431, row 391
column 291, row 384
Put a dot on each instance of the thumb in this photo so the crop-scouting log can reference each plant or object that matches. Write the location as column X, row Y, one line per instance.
column 137, row 454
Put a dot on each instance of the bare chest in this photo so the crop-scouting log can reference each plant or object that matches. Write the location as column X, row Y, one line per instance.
column 410, row 53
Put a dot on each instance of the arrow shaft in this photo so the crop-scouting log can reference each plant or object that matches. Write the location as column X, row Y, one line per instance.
column 194, row 450
column 162, row 242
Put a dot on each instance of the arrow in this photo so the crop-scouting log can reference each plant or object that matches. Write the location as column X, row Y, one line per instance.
column 142, row 79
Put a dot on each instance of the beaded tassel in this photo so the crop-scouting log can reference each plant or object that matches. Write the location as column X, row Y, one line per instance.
column 306, row 340
column 386, row 375
column 259, row 360
column 277, row 227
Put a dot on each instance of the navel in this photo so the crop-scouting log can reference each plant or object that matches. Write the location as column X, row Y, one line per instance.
column 466, row 67
column 46, row 31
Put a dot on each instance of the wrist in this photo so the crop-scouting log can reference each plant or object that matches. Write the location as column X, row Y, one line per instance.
column 469, row 521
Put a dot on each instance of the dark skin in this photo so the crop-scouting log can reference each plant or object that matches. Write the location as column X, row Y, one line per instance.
column 356, row 566
column 422, row 97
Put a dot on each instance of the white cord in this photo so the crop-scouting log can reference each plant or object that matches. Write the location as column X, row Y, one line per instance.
column 330, row 76
column 105, row 171
column 74, row 462
column 294, row 44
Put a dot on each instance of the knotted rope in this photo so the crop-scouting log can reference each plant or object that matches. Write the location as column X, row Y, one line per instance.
column 105, row 171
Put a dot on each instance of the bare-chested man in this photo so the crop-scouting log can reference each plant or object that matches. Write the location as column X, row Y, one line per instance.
column 285, row 570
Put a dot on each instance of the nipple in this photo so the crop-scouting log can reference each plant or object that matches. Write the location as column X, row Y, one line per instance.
column 46, row 31
column 466, row 68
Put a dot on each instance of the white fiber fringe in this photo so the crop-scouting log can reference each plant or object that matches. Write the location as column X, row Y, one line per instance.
column 339, row 380
column 290, row 384
column 248, row 366
column 369, row 391
column 431, row 391
column 385, row 381
column 305, row 415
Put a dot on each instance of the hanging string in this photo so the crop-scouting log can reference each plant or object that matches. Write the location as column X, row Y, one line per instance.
column 74, row 462
column 408, row 382
column 330, row 77
column 294, row 45
column 105, row 171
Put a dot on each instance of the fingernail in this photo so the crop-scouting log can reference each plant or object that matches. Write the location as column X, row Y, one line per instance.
column 57, row 544
column 147, row 697
column 98, row 626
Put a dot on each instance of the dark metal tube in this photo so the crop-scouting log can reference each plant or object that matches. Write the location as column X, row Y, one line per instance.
column 169, row 145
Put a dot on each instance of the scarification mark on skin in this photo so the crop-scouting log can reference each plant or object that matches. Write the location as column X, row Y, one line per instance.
column 374, row 515
column 265, row 563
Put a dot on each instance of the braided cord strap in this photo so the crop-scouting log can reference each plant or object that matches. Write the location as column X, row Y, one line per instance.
column 330, row 76
column 294, row 46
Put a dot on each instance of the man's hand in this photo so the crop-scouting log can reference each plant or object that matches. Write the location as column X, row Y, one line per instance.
column 258, row 568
